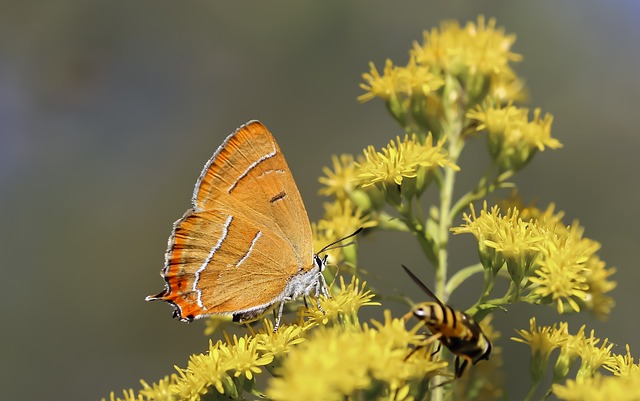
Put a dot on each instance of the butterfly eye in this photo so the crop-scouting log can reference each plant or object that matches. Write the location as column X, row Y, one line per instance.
column 320, row 263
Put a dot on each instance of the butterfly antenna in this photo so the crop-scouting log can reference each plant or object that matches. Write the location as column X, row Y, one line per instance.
column 326, row 248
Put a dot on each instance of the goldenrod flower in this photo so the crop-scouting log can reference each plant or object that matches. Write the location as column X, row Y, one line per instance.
column 341, row 218
column 542, row 341
column 384, row 86
column 507, row 87
column 477, row 47
column 419, row 80
column 475, row 53
column 242, row 357
column 569, row 352
column 279, row 342
column 622, row 365
column 572, row 260
column 341, row 181
column 598, row 284
column 513, row 139
column 336, row 363
column 414, row 79
column 127, row 395
column 592, row 356
column 204, row 372
column 503, row 238
column 402, row 160
column 342, row 307
column 214, row 322
column 160, row 391
column 561, row 277
column 600, row 388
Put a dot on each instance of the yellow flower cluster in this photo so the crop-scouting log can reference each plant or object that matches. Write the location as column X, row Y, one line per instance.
column 476, row 48
column 402, row 160
column 342, row 308
column 341, row 218
column 337, row 363
column 554, row 262
column 475, row 57
column 600, row 388
column 513, row 139
column 395, row 80
column 230, row 367
column 594, row 354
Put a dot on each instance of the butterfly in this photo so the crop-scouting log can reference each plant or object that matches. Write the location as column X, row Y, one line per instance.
column 245, row 243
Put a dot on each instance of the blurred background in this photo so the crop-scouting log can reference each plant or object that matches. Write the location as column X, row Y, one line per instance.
column 108, row 111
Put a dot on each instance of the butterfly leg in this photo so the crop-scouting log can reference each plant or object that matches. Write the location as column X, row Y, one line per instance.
column 322, row 283
column 321, row 288
column 280, row 310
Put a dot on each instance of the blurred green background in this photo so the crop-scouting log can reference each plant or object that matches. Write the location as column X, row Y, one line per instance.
column 109, row 109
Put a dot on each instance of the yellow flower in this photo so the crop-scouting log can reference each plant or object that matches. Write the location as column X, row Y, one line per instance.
column 561, row 278
column 476, row 47
column 341, row 181
column 203, row 372
column 503, row 238
column 599, row 283
column 402, row 160
column 418, row 79
column 128, row 395
column 160, row 391
column 476, row 53
column 622, row 365
column 341, row 218
column 384, row 86
column 592, row 356
column 513, row 139
column 593, row 278
column 280, row 342
column 214, row 322
column 542, row 341
column 507, row 87
column 243, row 358
column 569, row 352
column 343, row 306
column 414, row 79
column 600, row 388
column 336, row 363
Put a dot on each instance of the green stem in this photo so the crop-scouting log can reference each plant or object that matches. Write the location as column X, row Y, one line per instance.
column 482, row 189
column 461, row 275
column 418, row 230
column 532, row 390
column 456, row 144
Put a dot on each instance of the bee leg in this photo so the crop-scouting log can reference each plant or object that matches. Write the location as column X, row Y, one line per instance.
column 460, row 366
column 437, row 350
column 413, row 351
column 428, row 341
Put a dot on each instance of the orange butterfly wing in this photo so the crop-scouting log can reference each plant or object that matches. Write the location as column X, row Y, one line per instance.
column 245, row 236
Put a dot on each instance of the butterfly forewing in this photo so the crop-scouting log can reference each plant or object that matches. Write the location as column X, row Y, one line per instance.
column 247, row 228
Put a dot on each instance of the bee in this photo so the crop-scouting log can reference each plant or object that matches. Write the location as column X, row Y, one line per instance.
column 456, row 330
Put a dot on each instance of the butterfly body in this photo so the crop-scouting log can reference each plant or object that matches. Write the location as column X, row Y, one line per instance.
column 245, row 244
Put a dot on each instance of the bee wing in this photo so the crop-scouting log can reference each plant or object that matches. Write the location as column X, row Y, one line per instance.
column 422, row 285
